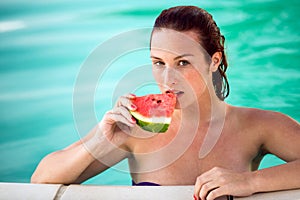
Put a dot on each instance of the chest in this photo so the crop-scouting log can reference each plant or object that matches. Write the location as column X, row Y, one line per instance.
column 165, row 156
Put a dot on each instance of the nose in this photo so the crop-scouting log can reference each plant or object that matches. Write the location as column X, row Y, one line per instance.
column 169, row 75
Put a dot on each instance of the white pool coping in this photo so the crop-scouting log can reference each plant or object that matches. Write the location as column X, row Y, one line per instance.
column 18, row 191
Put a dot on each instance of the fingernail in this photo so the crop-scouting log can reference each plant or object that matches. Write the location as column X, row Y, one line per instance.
column 132, row 95
column 195, row 198
column 133, row 106
column 133, row 120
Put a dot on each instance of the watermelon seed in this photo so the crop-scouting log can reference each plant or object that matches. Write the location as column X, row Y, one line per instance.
column 158, row 101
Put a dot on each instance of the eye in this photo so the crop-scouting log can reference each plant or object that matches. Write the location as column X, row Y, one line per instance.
column 158, row 63
column 183, row 63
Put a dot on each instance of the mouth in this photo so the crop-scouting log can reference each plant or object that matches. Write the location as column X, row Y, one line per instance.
column 178, row 93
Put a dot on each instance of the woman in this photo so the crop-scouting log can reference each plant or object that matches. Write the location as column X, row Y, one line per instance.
column 220, row 145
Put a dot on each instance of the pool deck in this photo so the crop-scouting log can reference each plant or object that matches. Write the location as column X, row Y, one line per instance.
column 22, row 191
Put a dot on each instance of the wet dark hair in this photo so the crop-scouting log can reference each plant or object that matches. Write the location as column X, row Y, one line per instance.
column 192, row 18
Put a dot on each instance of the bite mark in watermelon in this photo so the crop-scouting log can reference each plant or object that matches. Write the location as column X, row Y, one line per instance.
column 154, row 111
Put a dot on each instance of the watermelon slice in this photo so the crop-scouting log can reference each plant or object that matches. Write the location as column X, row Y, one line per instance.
column 154, row 111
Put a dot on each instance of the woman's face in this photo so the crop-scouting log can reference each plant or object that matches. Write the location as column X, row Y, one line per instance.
column 180, row 64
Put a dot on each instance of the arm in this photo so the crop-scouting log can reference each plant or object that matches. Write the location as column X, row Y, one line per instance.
column 78, row 162
column 102, row 147
column 280, row 136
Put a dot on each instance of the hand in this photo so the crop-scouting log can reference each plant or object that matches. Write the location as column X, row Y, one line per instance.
column 219, row 182
column 117, row 123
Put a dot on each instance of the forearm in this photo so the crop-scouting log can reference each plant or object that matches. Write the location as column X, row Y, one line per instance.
column 63, row 166
column 72, row 164
column 280, row 177
column 67, row 165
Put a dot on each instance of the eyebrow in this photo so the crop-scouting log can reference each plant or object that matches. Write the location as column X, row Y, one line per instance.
column 176, row 58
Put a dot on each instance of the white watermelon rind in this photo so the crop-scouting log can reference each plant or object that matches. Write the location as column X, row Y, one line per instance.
column 153, row 124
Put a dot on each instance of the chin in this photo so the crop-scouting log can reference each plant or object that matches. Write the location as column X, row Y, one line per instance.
column 185, row 103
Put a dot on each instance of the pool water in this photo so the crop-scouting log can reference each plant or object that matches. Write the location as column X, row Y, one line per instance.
column 43, row 45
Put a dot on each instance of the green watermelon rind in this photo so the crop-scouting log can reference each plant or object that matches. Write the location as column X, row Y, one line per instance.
column 153, row 127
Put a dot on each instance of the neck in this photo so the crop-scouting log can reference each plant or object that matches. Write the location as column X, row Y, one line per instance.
column 207, row 109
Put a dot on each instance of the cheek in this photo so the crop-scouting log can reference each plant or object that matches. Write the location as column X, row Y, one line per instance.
column 195, row 80
column 190, row 80
column 157, row 74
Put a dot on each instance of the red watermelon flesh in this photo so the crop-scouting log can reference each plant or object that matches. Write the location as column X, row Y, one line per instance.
column 154, row 111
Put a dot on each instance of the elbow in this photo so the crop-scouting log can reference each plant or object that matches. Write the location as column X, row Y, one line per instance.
column 44, row 173
column 41, row 175
column 39, row 179
column 44, row 178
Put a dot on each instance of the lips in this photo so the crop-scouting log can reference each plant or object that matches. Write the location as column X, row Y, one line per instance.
column 176, row 92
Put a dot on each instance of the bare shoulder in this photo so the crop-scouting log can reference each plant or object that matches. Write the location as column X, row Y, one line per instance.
column 277, row 133
column 262, row 118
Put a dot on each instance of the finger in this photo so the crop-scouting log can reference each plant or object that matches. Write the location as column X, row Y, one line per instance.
column 199, row 182
column 124, row 128
column 207, row 188
column 218, row 192
column 119, row 118
column 203, row 179
column 123, row 111
column 126, row 102
column 130, row 96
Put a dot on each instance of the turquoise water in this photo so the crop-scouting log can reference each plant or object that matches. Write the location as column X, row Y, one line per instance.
column 43, row 45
